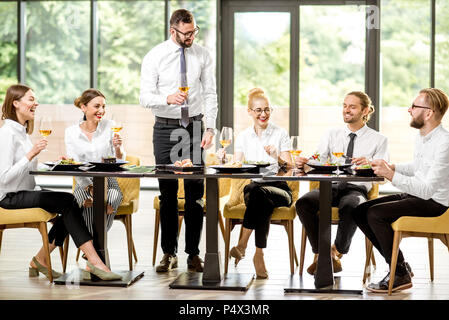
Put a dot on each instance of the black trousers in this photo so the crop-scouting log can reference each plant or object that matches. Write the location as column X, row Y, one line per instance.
column 70, row 219
column 261, row 199
column 164, row 149
column 375, row 217
column 346, row 198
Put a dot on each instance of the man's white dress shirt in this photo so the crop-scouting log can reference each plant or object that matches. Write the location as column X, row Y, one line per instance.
column 368, row 143
column 160, row 77
column 427, row 176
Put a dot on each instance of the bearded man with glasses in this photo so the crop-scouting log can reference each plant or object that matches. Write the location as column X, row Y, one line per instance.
column 423, row 182
column 178, row 85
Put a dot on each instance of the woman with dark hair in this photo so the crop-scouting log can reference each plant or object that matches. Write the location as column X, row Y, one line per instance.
column 90, row 140
column 18, row 187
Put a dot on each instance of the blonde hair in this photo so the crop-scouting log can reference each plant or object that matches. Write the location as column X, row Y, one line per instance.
column 365, row 101
column 257, row 93
column 437, row 100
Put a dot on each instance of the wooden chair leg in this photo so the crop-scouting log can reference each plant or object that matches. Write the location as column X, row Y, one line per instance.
column 431, row 264
column 134, row 252
column 129, row 240
column 394, row 259
column 369, row 254
column 43, row 231
column 78, row 254
column 66, row 253
column 180, row 220
column 303, row 250
column 227, row 241
column 222, row 227
column 156, row 234
column 373, row 259
column 291, row 246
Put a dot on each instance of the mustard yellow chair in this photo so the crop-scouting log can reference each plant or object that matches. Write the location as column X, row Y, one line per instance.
column 130, row 188
column 224, row 186
column 373, row 194
column 427, row 227
column 234, row 211
column 28, row 218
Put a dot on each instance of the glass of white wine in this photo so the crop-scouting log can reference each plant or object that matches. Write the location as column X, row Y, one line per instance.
column 338, row 154
column 295, row 151
column 185, row 90
column 225, row 139
column 45, row 127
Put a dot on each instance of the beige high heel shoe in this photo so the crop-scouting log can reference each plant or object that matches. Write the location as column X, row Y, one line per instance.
column 34, row 272
column 237, row 253
column 259, row 265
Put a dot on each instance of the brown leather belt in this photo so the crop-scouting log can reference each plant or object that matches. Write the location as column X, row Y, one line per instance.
column 177, row 121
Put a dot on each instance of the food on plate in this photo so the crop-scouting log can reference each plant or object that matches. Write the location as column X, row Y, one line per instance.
column 365, row 166
column 184, row 163
column 256, row 162
column 109, row 160
column 233, row 164
column 316, row 156
column 68, row 161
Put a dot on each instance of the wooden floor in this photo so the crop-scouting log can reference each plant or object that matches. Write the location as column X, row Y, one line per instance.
column 19, row 245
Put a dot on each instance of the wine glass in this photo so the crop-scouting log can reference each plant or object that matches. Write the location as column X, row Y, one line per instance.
column 45, row 127
column 225, row 139
column 184, row 89
column 295, row 151
column 338, row 154
column 117, row 125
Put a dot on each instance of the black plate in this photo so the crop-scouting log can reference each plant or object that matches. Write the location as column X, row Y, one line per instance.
column 223, row 169
column 172, row 167
column 322, row 168
column 64, row 167
column 259, row 165
column 368, row 172
column 101, row 166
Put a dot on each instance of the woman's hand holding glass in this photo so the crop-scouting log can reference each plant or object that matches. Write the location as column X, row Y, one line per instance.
column 39, row 146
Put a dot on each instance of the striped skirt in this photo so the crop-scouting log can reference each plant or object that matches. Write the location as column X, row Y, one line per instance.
column 114, row 199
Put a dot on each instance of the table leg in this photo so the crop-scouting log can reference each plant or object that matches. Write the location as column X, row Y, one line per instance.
column 100, row 242
column 324, row 273
column 324, row 281
column 211, row 277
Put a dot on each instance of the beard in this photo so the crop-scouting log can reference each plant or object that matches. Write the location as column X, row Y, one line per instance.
column 417, row 123
column 183, row 43
column 354, row 119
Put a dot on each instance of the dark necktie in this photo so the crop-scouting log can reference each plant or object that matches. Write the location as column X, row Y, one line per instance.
column 184, row 107
column 350, row 150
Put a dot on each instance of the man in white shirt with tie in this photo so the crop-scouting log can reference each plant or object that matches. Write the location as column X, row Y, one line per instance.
column 424, row 183
column 360, row 144
column 167, row 71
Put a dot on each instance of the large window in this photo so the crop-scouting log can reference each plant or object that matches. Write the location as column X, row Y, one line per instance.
column 405, row 60
column 261, row 59
column 57, row 49
column 8, row 46
column 332, row 64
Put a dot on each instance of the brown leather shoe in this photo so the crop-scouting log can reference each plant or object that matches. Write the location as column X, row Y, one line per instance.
column 195, row 264
column 336, row 264
column 167, row 263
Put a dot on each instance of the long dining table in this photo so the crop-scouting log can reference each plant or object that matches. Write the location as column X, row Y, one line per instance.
column 210, row 278
column 324, row 280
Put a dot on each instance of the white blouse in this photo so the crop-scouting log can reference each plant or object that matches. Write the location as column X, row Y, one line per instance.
column 252, row 146
column 15, row 143
column 81, row 149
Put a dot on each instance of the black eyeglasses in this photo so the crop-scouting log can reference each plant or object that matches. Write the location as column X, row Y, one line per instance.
column 421, row 107
column 259, row 110
column 190, row 33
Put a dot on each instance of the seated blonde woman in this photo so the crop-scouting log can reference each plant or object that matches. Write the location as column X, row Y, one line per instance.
column 263, row 141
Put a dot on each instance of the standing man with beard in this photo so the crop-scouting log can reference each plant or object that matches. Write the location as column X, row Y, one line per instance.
column 424, row 183
column 360, row 144
column 167, row 71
